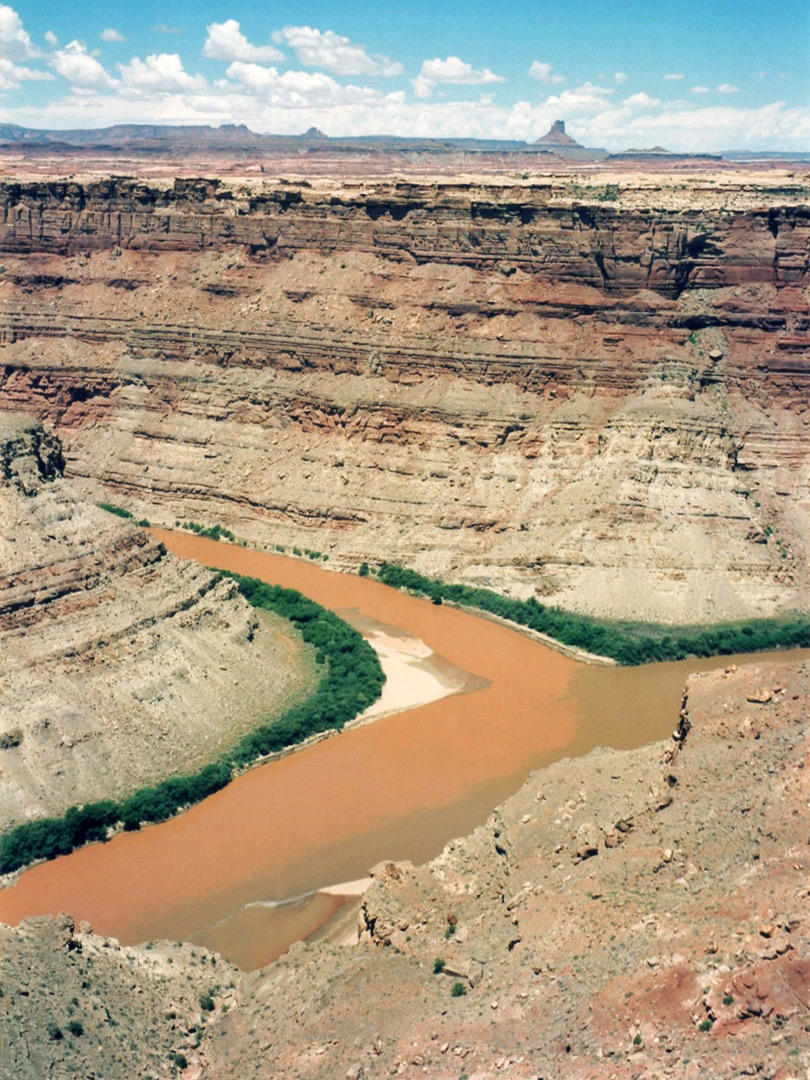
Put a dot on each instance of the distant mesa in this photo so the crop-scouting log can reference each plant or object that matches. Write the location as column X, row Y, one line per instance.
column 556, row 136
column 314, row 134
column 658, row 153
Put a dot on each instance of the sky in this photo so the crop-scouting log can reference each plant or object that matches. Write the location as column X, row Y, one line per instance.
column 687, row 75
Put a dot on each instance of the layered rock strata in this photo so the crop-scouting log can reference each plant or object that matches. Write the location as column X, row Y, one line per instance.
column 121, row 664
column 594, row 392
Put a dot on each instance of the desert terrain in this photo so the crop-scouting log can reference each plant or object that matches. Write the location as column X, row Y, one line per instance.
column 586, row 383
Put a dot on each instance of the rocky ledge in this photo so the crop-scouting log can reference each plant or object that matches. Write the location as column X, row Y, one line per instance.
column 120, row 662
column 594, row 392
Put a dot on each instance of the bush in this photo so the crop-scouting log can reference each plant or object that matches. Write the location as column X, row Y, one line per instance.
column 119, row 511
column 438, row 966
column 54, row 1032
column 75, row 1027
column 206, row 1003
column 458, row 989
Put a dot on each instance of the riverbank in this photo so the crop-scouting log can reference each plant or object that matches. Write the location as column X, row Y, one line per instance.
column 398, row 789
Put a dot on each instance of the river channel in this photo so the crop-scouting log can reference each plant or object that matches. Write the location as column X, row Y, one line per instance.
column 241, row 872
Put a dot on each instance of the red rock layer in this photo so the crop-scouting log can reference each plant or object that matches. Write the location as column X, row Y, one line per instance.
column 596, row 395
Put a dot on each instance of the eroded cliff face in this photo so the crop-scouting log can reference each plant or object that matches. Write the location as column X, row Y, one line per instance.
column 121, row 664
column 590, row 392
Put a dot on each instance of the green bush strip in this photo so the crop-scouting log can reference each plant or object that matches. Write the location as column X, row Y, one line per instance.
column 353, row 679
column 625, row 641
column 119, row 511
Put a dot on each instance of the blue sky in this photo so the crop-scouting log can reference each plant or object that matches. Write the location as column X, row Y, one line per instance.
column 718, row 74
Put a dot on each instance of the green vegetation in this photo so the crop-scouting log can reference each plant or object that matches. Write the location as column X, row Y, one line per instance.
column 213, row 532
column 458, row 989
column 179, row 1059
column 451, row 929
column 206, row 1003
column 706, row 1025
column 637, row 1040
column 626, row 641
column 119, row 511
column 352, row 680
column 728, row 999
column 75, row 1027
column 438, row 966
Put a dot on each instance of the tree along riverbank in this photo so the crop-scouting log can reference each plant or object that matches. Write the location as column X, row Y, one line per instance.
column 352, row 681
column 627, row 642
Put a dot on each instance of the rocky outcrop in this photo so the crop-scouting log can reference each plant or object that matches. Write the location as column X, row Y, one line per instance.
column 594, row 392
column 121, row 664
column 625, row 914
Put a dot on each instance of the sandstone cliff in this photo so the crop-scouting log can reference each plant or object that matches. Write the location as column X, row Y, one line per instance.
column 596, row 392
column 121, row 664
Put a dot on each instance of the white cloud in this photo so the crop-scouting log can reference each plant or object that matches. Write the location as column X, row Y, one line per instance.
column 111, row 35
column 82, row 70
column 451, row 71
column 544, row 73
column 16, row 42
column 51, row 37
column 641, row 101
column 163, row 72
column 11, row 75
column 162, row 28
column 673, row 77
column 295, row 89
column 585, row 97
column 728, row 88
column 326, row 49
column 699, row 90
column 225, row 41
column 620, row 78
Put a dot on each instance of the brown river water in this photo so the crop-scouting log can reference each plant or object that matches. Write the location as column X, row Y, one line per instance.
column 240, row 872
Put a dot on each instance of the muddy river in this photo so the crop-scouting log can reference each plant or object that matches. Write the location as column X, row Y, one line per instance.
column 241, row 872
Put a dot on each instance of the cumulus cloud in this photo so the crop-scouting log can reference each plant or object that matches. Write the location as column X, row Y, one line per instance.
column 699, row 90
column 673, row 77
column 728, row 88
column 111, row 35
column 544, row 73
column 326, row 49
column 16, row 42
column 51, row 37
column 641, row 101
column 226, row 41
column 451, row 71
column 11, row 75
column 295, row 89
column 587, row 96
column 162, row 72
column 82, row 70
column 620, row 78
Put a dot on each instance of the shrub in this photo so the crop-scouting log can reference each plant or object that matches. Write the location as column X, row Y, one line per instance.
column 75, row 1027
column 438, row 966
column 206, row 1003
column 458, row 989
column 54, row 1032
column 705, row 1025
column 119, row 511
column 728, row 999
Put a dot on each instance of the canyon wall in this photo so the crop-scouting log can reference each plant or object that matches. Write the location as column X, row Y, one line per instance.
column 121, row 664
column 592, row 392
